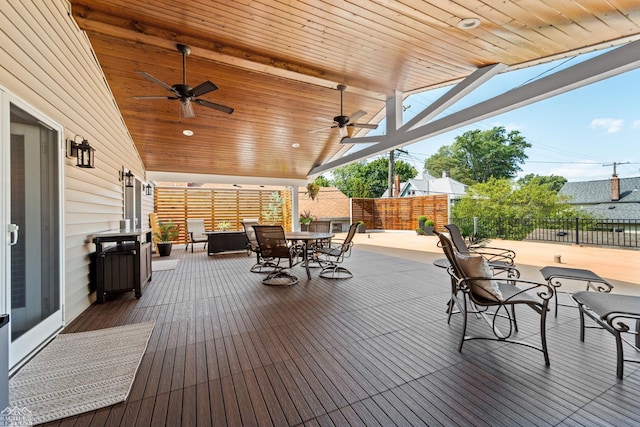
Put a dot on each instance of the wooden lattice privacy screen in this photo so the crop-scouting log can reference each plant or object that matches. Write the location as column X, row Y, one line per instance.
column 401, row 213
column 214, row 206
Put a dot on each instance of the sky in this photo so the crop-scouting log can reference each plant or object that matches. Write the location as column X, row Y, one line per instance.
column 572, row 135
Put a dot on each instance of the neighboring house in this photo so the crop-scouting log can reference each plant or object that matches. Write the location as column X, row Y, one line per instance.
column 428, row 185
column 330, row 204
column 615, row 198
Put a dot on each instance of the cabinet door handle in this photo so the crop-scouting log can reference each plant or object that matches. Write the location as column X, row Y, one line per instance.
column 13, row 230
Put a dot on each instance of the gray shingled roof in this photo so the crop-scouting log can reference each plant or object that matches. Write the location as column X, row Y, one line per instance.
column 593, row 192
column 595, row 197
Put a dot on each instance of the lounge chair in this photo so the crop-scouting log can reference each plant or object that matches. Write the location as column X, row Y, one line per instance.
column 479, row 291
column 500, row 260
column 615, row 313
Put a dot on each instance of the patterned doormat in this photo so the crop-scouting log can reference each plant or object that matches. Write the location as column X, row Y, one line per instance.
column 80, row 372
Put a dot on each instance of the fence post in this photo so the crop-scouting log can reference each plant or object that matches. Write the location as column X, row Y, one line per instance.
column 577, row 237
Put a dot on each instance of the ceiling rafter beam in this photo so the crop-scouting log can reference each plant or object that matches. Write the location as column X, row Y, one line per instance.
column 608, row 64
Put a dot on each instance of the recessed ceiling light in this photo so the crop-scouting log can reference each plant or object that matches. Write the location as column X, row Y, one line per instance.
column 469, row 23
column 187, row 132
column 295, row 145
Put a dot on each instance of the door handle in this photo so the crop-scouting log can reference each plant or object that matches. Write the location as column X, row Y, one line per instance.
column 13, row 229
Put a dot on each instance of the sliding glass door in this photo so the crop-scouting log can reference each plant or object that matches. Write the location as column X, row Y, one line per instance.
column 32, row 285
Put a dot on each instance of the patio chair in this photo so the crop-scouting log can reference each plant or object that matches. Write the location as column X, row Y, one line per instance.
column 500, row 260
column 273, row 245
column 195, row 233
column 479, row 291
column 262, row 265
column 331, row 256
column 312, row 247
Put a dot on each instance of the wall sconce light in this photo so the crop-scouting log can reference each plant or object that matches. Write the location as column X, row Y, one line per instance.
column 127, row 176
column 148, row 189
column 83, row 152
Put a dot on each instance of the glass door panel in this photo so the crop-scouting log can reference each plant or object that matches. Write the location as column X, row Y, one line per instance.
column 35, row 258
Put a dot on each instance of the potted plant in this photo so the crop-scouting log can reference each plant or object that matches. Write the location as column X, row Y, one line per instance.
column 428, row 227
column 421, row 220
column 361, row 227
column 167, row 232
column 305, row 219
column 224, row 225
column 312, row 190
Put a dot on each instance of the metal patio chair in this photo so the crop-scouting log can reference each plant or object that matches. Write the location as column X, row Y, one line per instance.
column 491, row 299
column 262, row 265
column 274, row 246
column 500, row 260
column 331, row 256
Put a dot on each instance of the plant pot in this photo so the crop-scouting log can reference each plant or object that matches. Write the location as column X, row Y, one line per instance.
column 428, row 230
column 164, row 249
column 361, row 228
column 421, row 224
column 304, row 227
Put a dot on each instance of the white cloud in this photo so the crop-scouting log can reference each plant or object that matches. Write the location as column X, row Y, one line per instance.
column 610, row 125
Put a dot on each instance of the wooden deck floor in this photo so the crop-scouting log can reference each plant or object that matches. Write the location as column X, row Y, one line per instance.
column 372, row 350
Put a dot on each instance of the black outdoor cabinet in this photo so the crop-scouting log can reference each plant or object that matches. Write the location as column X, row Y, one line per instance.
column 123, row 262
column 225, row 241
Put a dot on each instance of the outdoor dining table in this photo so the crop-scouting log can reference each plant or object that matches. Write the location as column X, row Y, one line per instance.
column 305, row 237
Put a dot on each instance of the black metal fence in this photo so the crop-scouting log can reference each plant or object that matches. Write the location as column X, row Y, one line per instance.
column 602, row 232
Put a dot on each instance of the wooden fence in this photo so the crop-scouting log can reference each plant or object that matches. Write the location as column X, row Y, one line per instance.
column 401, row 213
column 214, row 206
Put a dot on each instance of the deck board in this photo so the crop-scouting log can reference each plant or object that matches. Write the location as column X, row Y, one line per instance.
column 372, row 350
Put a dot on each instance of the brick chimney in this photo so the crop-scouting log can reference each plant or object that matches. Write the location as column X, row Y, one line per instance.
column 615, row 188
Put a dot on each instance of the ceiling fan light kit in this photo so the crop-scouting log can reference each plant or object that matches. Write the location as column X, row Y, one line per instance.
column 186, row 94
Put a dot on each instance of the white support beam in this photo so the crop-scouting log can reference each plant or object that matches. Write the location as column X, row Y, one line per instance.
column 459, row 91
column 394, row 112
column 614, row 62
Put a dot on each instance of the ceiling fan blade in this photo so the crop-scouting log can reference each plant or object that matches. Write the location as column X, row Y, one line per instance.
column 357, row 115
column 320, row 130
column 218, row 107
column 187, row 110
column 202, row 88
column 363, row 125
column 343, row 131
column 154, row 97
column 156, row 81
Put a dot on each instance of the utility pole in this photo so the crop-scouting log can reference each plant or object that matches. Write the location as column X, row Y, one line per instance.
column 614, row 164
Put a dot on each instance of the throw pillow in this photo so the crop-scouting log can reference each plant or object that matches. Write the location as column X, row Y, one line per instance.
column 477, row 266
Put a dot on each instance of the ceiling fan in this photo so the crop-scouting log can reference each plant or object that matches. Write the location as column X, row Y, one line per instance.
column 185, row 93
column 343, row 122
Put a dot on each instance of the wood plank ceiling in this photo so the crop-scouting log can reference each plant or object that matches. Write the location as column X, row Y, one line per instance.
column 278, row 64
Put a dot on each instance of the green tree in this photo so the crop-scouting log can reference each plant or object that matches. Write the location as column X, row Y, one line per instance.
column 553, row 182
column 477, row 155
column 501, row 198
column 322, row 181
column 441, row 161
column 362, row 179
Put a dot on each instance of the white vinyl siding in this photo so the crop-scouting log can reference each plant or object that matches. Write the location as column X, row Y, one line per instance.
column 46, row 61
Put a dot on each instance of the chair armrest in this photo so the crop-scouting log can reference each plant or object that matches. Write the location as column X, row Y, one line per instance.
column 543, row 289
column 501, row 255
